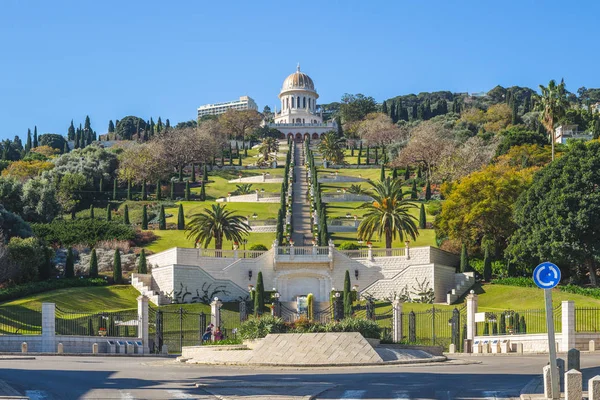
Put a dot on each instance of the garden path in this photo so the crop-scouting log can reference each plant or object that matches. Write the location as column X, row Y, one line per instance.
column 302, row 234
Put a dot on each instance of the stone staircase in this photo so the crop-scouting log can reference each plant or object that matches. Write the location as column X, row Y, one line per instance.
column 143, row 283
column 462, row 282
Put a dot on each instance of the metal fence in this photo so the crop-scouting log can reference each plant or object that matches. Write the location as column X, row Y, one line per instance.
column 587, row 320
column 434, row 326
column 176, row 328
column 17, row 320
column 81, row 323
column 511, row 322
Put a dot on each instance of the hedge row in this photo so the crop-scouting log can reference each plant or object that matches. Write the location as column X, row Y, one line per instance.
column 82, row 231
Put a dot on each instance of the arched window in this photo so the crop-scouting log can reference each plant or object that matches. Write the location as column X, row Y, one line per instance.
column 293, row 103
column 298, row 120
column 302, row 120
column 304, row 102
column 298, row 102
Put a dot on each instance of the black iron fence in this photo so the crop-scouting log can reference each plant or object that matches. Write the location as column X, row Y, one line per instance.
column 116, row 324
column 435, row 327
column 176, row 328
column 17, row 320
column 587, row 320
column 512, row 322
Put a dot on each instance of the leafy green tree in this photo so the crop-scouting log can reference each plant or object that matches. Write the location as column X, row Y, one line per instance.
column 53, row 140
column 129, row 126
column 464, row 259
column 117, row 271
column 422, row 217
column 518, row 136
column 259, row 295
column 180, row 218
column 355, row 107
column 347, row 296
column 70, row 191
column 162, row 222
column 142, row 267
column 69, row 264
column 487, row 265
column 126, row 215
column 553, row 104
column 214, row 223
column 388, row 215
column 145, row 217
column 93, row 264
column 11, row 192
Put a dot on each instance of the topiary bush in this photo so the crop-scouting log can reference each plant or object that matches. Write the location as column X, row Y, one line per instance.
column 258, row 247
column 348, row 246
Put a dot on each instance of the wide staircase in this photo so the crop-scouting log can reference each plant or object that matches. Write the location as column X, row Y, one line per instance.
column 302, row 234
column 143, row 283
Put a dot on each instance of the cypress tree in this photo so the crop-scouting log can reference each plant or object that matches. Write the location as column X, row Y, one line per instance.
column 162, row 223
column 464, row 259
column 259, row 295
column 187, row 190
column 382, row 173
column 35, row 137
column 117, row 274
column 428, row 191
column 394, row 113
column 142, row 267
column 92, row 211
column 145, row 217
column 180, row 174
column 108, row 213
column 222, row 158
column 368, row 157
column 129, row 189
column 69, row 264
column 111, row 126
column 205, row 173
column 144, row 193
column 422, row 217
column 419, row 172
column 29, row 143
column 172, row 191
column 487, row 265
column 66, row 148
column 486, row 329
column 101, row 185
column 180, row 219
column 203, row 192
column 126, row 215
column 240, row 160
column 193, row 177
column 93, row 265
column 376, row 156
column 46, row 267
column 115, row 189
column 352, row 150
column 407, row 173
column 347, row 296
column 394, row 174
column 358, row 160
column 502, row 324
column 414, row 195
column 515, row 112
column 158, row 193
column 384, row 108
column 71, row 132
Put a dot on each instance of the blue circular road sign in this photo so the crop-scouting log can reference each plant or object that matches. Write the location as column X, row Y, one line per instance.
column 546, row 275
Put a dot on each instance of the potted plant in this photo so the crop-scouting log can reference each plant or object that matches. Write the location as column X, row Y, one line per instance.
column 102, row 331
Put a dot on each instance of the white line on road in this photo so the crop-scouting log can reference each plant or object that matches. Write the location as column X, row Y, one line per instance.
column 126, row 396
column 353, row 394
column 401, row 394
column 180, row 394
column 36, row 394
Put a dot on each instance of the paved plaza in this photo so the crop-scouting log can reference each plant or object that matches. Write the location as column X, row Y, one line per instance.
column 58, row 377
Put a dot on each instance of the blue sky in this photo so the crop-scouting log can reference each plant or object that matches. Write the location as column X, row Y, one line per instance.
column 62, row 60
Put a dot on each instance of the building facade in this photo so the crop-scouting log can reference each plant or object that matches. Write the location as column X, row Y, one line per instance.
column 298, row 117
column 244, row 103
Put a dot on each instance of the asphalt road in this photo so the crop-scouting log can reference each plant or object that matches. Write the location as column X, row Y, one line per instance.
column 54, row 377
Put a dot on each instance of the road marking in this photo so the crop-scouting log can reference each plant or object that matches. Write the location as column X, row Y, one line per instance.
column 353, row 394
column 36, row 394
column 401, row 394
column 126, row 396
column 180, row 394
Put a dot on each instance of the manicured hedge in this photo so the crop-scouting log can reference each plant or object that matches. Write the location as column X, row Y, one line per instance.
column 17, row 291
column 82, row 231
column 515, row 281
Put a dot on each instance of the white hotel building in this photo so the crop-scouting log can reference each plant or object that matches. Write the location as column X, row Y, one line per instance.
column 244, row 103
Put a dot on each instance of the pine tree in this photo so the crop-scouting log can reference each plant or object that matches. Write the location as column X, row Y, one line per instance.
column 259, row 295
column 145, row 217
column 108, row 213
column 407, row 173
column 69, row 264
column 129, row 189
column 35, row 137
column 382, row 173
column 347, row 296
column 93, row 265
column 126, row 215
column 144, row 194
column 29, row 142
column 162, row 223
column 205, row 173
column 428, row 191
column 180, row 219
column 193, row 177
column 414, row 195
column 142, row 265
column 203, row 192
column 115, row 183
column 422, row 217
column 117, row 272
column 158, row 193
column 92, row 211
column 172, row 194
column 187, row 190
column 71, row 132
column 487, row 265
column 464, row 259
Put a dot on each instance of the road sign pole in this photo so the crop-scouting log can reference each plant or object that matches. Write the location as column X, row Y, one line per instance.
column 552, row 345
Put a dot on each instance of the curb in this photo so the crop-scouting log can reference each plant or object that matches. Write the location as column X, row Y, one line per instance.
column 383, row 364
column 30, row 354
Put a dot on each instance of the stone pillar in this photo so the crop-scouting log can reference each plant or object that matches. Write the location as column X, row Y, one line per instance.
column 568, row 325
column 594, row 388
column 95, row 348
column 60, row 349
column 471, row 310
column 370, row 251
column 235, row 251
column 573, row 383
column 143, row 322
column 24, row 347
column 592, row 346
column 547, row 382
column 407, row 250
column 291, row 249
column 573, row 360
column 397, row 320
column 48, row 327
column 215, row 315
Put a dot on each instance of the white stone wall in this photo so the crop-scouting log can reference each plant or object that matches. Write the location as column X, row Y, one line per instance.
column 532, row 343
column 71, row 344
column 444, row 281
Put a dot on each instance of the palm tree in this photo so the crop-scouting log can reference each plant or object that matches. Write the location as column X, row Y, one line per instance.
column 357, row 189
column 553, row 105
column 266, row 151
column 388, row 214
column 331, row 148
column 216, row 222
column 244, row 188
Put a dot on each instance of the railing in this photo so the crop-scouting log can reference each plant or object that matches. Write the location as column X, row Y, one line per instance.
column 512, row 322
column 343, row 222
column 587, row 320
column 119, row 324
column 231, row 253
column 17, row 320
column 362, row 253
column 399, row 252
column 262, row 222
column 303, row 251
column 291, row 125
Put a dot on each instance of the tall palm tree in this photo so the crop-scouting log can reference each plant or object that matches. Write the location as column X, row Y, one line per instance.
column 266, row 151
column 331, row 147
column 216, row 222
column 388, row 214
column 553, row 104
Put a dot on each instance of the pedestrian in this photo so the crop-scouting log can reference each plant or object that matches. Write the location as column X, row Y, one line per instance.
column 207, row 335
column 218, row 335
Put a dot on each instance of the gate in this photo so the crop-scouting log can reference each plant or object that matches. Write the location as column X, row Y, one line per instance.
column 435, row 327
column 175, row 328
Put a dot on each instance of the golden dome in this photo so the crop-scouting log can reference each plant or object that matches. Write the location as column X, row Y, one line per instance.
column 298, row 80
